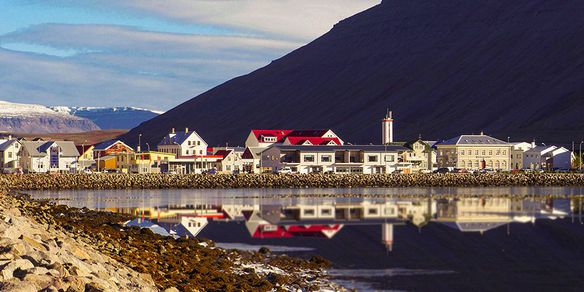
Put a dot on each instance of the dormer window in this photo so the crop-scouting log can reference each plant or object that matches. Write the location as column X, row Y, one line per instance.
column 269, row 139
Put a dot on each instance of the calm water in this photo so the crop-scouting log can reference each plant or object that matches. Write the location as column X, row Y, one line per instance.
column 382, row 238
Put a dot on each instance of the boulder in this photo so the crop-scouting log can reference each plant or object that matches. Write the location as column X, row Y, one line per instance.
column 19, row 264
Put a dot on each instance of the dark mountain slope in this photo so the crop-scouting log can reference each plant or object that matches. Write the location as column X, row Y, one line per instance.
column 510, row 68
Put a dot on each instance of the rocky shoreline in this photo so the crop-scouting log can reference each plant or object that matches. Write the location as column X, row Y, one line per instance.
column 166, row 181
column 48, row 247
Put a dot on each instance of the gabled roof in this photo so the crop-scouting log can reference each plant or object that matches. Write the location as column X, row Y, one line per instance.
column 4, row 144
column 308, row 133
column 278, row 133
column 178, row 138
column 223, row 153
column 475, row 226
column 472, row 140
column 541, row 149
column 84, row 148
column 301, row 140
column 40, row 148
column 108, row 144
column 327, row 148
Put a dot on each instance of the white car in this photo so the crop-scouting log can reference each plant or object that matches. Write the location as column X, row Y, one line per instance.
column 285, row 170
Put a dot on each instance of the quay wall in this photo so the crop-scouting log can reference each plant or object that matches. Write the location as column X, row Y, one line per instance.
column 200, row 181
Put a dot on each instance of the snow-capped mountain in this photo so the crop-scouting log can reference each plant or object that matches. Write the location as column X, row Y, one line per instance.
column 110, row 117
column 33, row 118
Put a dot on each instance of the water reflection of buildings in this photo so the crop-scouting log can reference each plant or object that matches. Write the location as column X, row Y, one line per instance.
column 326, row 219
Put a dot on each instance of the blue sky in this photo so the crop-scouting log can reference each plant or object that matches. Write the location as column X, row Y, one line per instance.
column 148, row 53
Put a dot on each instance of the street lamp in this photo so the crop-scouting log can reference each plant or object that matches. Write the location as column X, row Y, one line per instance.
column 148, row 147
column 139, row 142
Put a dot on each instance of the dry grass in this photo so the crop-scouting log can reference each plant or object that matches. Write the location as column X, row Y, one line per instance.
column 87, row 138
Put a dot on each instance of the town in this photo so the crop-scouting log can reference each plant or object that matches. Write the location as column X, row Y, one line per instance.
column 287, row 151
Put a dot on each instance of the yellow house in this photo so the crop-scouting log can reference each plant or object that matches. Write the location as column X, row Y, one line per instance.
column 474, row 152
column 143, row 162
column 106, row 163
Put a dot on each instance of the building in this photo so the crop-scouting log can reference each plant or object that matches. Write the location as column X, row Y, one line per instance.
column 232, row 161
column 518, row 150
column 266, row 138
column 192, row 155
column 111, row 147
column 86, row 159
column 144, row 162
column 9, row 155
column 337, row 159
column 474, row 152
column 48, row 156
column 181, row 144
column 422, row 156
column 387, row 129
column 547, row 158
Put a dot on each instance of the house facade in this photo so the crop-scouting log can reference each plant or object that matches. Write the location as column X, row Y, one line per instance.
column 367, row 159
column 548, row 158
column 9, row 156
column 232, row 161
column 422, row 155
column 266, row 138
column 48, row 156
column 185, row 143
column 144, row 162
column 474, row 152
column 518, row 150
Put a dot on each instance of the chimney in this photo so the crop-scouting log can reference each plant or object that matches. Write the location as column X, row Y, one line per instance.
column 533, row 144
column 387, row 128
column 172, row 131
column 186, row 130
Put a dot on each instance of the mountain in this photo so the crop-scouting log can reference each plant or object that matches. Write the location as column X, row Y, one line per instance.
column 508, row 68
column 111, row 117
column 31, row 118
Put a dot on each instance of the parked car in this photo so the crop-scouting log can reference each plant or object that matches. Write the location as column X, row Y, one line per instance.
column 442, row 170
column 285, row 170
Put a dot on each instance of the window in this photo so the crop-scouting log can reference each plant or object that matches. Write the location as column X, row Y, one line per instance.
column 325, row 158
column 198, row 143
column 476, row 152
column 490, row 152
column 9, row 154
column 372, row 211
column 389, row 158
column 504, row 152
column 326, row 212
column 308, row 158
column 269, row 139
column 308, row 212
column 187, row 152
column 461, row 152
column 372, row 158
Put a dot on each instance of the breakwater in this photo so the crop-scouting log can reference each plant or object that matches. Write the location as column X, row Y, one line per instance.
column 165, row 181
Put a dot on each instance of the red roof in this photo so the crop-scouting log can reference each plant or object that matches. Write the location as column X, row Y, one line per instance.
column 222, row 153
column 295, row 135
column 312, row 140
column 279, row 134
column 319, row 230
column 308, row 133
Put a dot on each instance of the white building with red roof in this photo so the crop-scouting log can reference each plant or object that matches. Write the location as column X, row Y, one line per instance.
column 265, row 138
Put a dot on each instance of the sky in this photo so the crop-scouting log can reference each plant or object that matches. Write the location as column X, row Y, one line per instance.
column 147, row 53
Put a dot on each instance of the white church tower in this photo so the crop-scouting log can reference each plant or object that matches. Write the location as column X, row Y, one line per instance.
column 387, row 128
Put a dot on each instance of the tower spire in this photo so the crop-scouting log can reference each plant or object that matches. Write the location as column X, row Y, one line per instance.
column 387, row 128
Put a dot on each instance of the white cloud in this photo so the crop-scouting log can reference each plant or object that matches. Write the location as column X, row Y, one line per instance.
column 108, row 65
column 127, row 65
column 282, row 19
